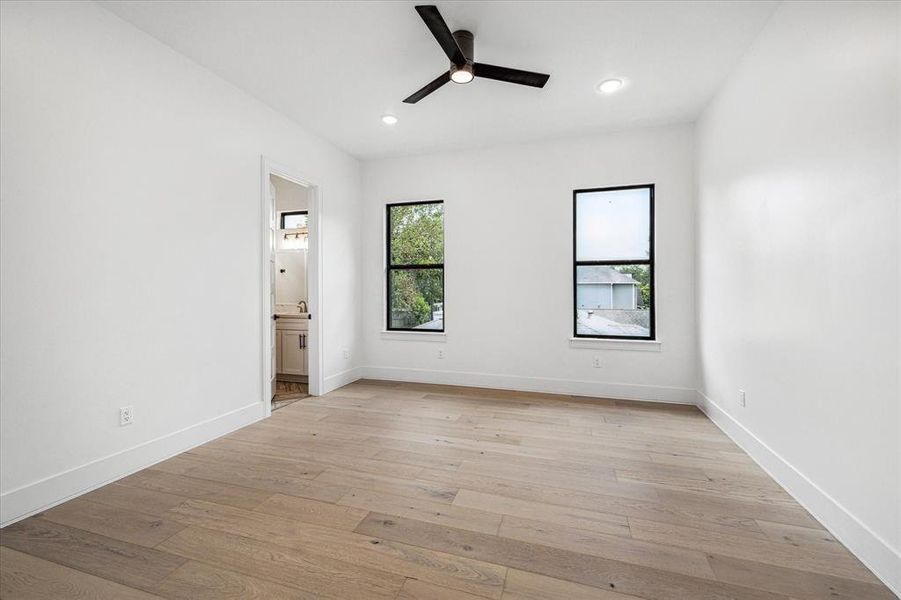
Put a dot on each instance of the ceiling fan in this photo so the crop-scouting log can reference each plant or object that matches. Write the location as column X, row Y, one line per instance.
column 458, row 47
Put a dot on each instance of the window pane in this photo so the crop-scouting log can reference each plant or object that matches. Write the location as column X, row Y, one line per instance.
column 417, row 234
column 613, row 225
column 416, row 298
column 613, row 300
column 294, row 221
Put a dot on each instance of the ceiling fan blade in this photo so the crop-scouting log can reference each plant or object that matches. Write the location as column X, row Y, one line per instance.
column 510, row 75
column 429, row 88
column 435, row 22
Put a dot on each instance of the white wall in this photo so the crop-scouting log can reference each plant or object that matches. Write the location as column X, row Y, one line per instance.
column 115, row 151
column 508, row 271
column 290, row 285
column 798, row 265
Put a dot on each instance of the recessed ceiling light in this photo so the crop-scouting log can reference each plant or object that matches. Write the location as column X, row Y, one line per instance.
column 608, row 86
column 389, row 119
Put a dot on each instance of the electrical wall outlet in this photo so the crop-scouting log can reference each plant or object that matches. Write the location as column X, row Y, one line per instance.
column 742, row 398
column 346, row 353
column 126, row 416
column 596, row 362
column 441, row 353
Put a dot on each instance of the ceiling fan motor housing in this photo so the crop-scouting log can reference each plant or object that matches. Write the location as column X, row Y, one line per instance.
column 464, row 40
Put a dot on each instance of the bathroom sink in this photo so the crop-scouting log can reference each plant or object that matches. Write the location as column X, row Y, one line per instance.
column 290, row 311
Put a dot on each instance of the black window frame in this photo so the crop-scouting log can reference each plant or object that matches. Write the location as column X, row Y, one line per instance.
column 389, row 267
column 652, row 336
column 282, row 215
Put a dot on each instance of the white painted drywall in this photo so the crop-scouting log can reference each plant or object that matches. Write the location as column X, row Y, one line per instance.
column 115, row 152
column 797, row 263
column 508, row 221
column 290, row 285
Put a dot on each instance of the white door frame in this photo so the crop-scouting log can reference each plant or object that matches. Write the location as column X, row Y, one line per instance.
column 314, row 274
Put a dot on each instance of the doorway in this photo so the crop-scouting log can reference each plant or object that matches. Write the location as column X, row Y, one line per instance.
column 291, row 366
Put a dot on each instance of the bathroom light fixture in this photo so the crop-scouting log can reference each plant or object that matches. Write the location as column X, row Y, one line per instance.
column 609, row 86
column 296, row 239
column 389, row 119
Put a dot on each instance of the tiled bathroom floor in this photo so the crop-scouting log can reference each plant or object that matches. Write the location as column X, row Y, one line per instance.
column 287, row 392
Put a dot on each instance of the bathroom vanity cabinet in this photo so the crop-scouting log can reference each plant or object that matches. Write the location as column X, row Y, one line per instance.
column 292, row 340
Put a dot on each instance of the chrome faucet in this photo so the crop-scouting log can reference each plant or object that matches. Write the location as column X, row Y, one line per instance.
column 302, row 306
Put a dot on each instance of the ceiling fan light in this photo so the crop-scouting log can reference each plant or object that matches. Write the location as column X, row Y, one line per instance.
column 609, row 86
column 389, row 119
column 461, row 74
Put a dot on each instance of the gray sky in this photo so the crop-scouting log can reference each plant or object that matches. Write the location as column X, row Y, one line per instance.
column 613, row 225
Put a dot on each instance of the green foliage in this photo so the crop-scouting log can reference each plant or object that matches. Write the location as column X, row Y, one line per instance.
column 422, row 310
column 417, row 234
column 417, row 238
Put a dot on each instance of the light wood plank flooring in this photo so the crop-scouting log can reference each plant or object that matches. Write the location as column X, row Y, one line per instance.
column 422, row 492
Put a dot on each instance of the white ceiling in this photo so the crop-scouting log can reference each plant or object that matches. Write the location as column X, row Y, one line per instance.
column 336, row 67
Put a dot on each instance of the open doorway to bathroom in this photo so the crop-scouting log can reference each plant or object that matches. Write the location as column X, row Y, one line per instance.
column 292, row 313
column 291, row 332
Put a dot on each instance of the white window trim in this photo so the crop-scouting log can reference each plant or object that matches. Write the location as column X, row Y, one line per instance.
column 415, row 336
column 608, row 344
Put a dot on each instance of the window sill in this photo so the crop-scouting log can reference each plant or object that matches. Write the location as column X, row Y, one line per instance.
column 608, row 344
column 415, row 336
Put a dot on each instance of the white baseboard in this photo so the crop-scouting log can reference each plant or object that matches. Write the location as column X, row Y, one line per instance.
column 597, row 389
column 333, row 382
column 867, row 545
column 38, row 496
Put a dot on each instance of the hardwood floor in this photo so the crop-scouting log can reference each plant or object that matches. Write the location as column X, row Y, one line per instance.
column 422, row 492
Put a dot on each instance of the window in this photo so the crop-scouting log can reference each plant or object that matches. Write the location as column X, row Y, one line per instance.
column 613, row 262
column 415, row 273
column 294, row 220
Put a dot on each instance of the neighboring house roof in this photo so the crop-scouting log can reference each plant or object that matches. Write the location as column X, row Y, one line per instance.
column 433, row 325
column 602, row 274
